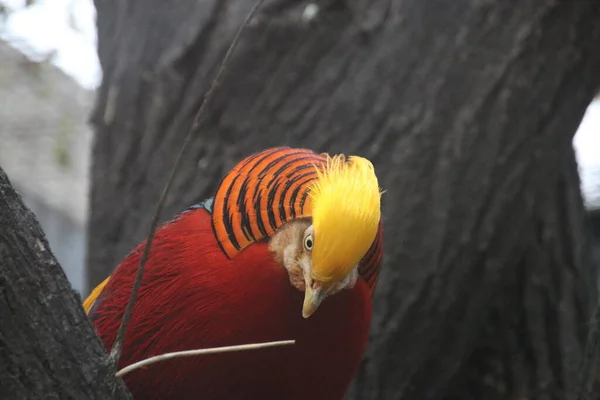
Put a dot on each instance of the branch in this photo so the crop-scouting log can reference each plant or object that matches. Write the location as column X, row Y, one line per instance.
column 213, row 350
column 47, row 343
column 198, row 119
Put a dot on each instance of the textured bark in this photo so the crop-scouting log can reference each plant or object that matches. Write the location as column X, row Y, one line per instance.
column 48, row 349
column 467, row 109
column 534, row 336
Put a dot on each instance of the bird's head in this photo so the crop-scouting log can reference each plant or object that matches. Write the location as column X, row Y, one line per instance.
column 322, row 252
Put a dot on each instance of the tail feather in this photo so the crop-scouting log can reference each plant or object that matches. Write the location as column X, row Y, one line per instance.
column 89, row 302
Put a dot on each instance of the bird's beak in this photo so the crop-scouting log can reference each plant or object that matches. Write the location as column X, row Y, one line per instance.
column 314, row 294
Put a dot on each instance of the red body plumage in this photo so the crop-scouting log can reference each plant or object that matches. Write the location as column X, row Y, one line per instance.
column 193, row 296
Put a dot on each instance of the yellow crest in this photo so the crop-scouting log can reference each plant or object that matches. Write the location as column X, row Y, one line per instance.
column 346, row 209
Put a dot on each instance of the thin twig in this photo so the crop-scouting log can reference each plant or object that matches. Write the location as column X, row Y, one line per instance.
column 213, row 350
column 198, row 119
column 201, row 352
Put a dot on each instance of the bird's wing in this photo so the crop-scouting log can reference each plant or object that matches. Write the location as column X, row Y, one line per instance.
column 90, row 301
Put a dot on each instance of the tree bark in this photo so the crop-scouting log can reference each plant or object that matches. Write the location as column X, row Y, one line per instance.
column 467, row 109
column 48, row 348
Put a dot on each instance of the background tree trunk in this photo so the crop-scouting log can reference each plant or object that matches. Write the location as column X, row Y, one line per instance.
column 467, row 109
column 48, row 349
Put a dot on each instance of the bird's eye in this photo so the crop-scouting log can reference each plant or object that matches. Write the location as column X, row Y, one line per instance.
column 308, row 242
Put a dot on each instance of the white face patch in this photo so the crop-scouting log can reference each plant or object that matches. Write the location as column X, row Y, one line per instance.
column 296, row 256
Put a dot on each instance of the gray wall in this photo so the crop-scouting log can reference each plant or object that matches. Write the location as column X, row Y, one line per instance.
column 66, row 236
column 45, row 145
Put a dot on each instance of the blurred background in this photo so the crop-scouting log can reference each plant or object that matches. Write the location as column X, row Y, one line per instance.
column 49, row 71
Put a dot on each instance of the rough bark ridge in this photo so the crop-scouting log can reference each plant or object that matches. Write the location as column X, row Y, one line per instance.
column 467, row 109
column 534, row 336
column 48, row 349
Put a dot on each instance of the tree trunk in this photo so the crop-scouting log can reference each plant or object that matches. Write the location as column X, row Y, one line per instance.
column 467, row 109
column 48, row 349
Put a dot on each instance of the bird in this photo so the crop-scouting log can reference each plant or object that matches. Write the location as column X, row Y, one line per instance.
column 290, row 247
